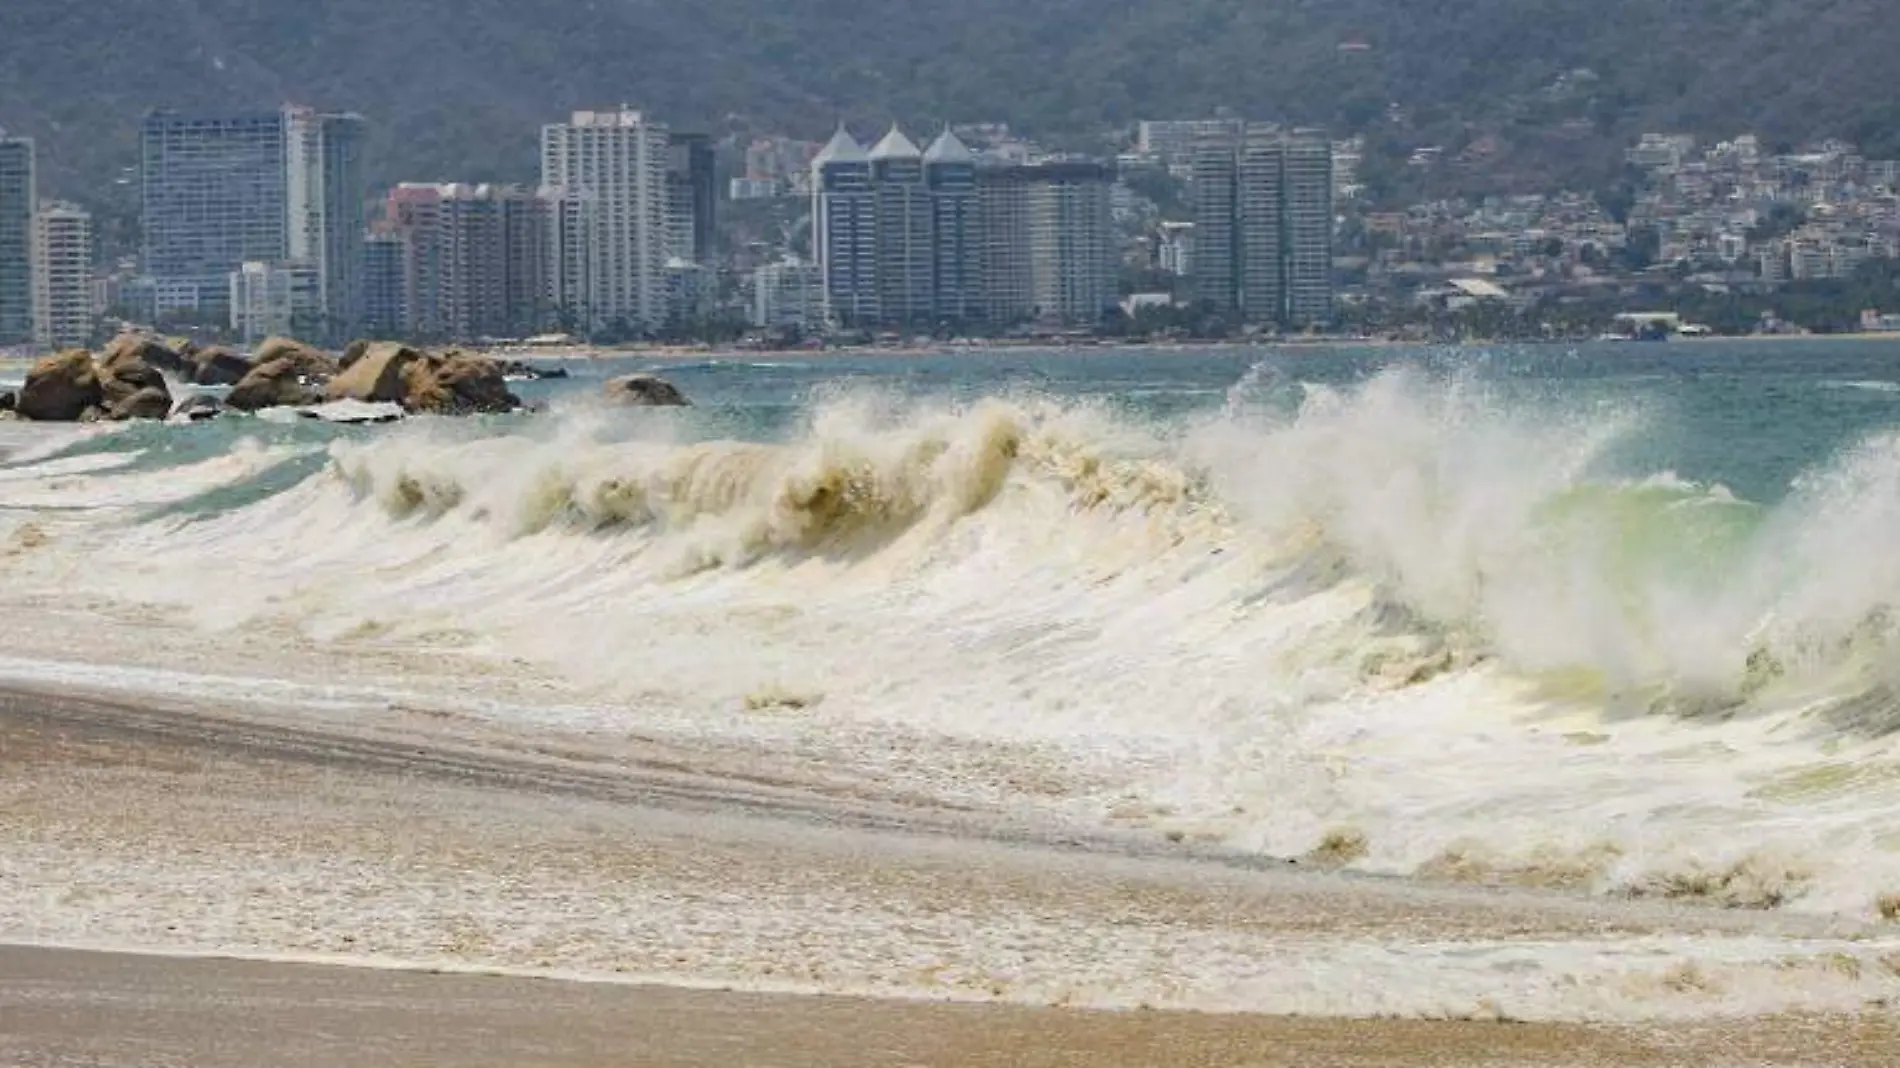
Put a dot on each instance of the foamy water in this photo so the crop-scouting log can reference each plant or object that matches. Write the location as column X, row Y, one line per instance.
column 1401, row 623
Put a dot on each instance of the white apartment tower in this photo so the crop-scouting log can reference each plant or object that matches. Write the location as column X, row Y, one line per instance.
column 1308, row 192
column 1072, row 243
column 1263, row 225
column 62, row 277
column 19, row 197
column 956, row 230
column 844, row 231
column 906, row 256
column 325, row 186
column 611, row 168
column 896, row 231
column 1048, row 242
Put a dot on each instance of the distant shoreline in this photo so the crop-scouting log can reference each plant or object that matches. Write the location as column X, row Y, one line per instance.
column 1318, row 344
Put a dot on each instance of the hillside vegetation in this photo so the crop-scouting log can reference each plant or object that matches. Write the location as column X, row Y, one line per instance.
column 457, row 88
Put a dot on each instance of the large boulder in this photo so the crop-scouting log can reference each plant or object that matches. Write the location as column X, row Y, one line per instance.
column 61, row 388
column 217, row 367
column 308, row 362
column 145, row 349
column 148, row 403
column 377, row 374
column 645, row 391
column 128, row 375
column 454, row 384
column 272, row 384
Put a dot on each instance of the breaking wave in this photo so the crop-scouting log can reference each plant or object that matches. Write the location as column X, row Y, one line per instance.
column 1495, row 528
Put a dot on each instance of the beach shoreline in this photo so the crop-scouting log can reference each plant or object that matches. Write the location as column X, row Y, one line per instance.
column 402, row 897
column 130, row 1011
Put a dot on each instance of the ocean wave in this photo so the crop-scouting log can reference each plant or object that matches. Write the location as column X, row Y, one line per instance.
column 1490, row 528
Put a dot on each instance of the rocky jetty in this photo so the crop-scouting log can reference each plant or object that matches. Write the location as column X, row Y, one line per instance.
column 133, row 377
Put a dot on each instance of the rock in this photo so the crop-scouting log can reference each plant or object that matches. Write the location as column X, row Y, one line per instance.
column 308, row 362
column 646, row 391
column 376, row 375
column 197, row 408
column 454, row 384
column 9, row 401
column 354, row 353
column 129, row 375
column 353, row 411
column 145, row 349
column 270, row 384
column 218, row 367
column 522, row 371
column 61, row 387
column 148, row 403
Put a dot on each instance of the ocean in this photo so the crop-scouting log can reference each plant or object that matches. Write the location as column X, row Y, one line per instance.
column 1611, row 621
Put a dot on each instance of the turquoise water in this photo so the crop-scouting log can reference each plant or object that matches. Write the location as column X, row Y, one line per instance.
column 1751, row 416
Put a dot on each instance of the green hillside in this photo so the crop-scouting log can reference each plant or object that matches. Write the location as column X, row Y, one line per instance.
column 458, row 87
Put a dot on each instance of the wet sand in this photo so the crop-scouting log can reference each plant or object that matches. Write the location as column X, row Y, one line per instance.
column 184, row 830
column 121, row 1011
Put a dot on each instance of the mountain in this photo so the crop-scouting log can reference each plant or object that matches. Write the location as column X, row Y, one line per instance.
column 458, row 88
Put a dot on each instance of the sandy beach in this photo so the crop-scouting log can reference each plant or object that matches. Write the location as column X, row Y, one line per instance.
column 702, row 902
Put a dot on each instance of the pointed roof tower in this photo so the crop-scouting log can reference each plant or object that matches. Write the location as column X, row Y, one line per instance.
column 895, row 146
column 842, row 148
column 948, row 148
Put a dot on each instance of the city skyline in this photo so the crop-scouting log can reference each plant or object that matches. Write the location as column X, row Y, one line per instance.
column 951, row 248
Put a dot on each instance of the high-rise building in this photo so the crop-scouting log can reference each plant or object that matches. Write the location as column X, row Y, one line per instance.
column 62, row 277
column 412, row 213
column 385, row 314
column 1072, row 242
column 692, row 197
column 1259, row 238
column 19, row 199
column 956, row 234
column 1214, row 193
column 273, row 187
column 493, row 281
column 844, row 231
column 570, row 268
column 1048, row 242
column 1263, row 226
column 897, row 232
column 327, row 188
column 475, row 260
column 1309, row 193
column 905, row 254
column 611, row 166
